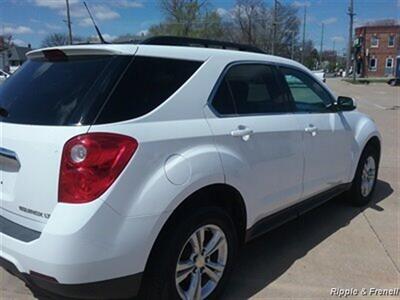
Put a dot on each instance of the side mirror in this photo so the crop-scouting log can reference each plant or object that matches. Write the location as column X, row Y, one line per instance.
column 346, row 103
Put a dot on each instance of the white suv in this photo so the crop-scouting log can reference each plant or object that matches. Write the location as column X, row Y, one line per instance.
column 140, row 169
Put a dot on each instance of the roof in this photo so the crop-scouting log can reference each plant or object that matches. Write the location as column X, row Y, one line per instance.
column 380, row 26
column 177, row 52
column 17, row 53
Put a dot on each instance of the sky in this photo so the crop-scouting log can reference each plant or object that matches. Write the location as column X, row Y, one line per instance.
column 29, row 21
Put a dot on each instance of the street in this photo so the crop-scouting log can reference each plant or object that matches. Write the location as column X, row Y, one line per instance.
column 333, row 246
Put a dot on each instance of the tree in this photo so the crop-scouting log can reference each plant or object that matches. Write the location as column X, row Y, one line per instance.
column 288, row 28
column 190, row 18
column 58, row 39
column 55, row 39
column 310, row 55
column 249, row 22
column 248, row 18
column 252, row 23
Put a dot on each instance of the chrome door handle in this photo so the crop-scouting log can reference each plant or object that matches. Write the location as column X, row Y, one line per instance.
column 242, row 132
column 311, row 129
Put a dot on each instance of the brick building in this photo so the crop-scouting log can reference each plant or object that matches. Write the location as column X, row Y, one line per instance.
column 377, row 49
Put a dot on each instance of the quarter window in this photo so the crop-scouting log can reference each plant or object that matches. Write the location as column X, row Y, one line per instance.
column 308, row 95
column 374, row 41
column 373, row 63
column 250, row 89
column 147, row 83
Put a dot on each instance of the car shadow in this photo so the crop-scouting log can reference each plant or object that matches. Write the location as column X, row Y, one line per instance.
column 270, row 255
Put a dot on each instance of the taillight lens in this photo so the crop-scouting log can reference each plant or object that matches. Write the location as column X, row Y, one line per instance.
column 90, row 164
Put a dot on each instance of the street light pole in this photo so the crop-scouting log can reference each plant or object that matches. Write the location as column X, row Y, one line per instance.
column 69, row 24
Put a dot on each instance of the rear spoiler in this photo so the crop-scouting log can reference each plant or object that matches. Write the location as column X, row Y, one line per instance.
column 86, row 50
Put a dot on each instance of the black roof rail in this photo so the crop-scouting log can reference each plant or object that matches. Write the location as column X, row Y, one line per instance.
column 195, row 42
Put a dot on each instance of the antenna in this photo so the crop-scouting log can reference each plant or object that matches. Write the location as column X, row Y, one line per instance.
column 94, row 24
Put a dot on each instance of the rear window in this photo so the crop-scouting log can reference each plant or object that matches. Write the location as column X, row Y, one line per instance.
column 91, row 89
column 67, row 92
column 147, row 83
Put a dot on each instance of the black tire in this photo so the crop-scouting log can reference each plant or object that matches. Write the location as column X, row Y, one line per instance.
column 355, row 194
column 159, row 278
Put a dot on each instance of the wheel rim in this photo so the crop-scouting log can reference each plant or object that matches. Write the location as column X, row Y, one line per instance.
column 201, row 263
column 368, row 176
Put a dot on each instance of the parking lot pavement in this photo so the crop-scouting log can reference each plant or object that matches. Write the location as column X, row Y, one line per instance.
column 334, row 246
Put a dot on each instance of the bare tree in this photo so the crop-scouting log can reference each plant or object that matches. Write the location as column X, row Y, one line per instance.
column 55, row 39
column 58, row 39
column 249, row 22
column 288, row 28
column 183, row 15
column 247, row 15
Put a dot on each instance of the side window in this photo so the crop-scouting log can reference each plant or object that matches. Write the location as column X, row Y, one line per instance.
column 147, row 83
column 250, row 89
column 307, row 93
column 223, row 101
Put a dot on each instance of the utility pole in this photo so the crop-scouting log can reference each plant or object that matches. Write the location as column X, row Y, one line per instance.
column 322, row 43
column 350, row 43
column 69, row 24
column 304, row 34
column 292, row 47
column 274, row 27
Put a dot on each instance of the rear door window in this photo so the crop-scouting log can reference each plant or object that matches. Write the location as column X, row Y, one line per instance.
column 253, row 89
column 147, row 83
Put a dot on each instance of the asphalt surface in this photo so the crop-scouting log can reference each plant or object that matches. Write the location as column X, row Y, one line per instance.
column 333, row 246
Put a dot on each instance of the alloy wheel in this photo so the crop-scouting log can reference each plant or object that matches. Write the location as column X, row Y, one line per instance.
column 201, row 263
column 368, row 176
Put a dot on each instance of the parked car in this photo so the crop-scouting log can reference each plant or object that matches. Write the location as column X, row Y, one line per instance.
column 396, row 80
column 145, row 173
column 3, row 75
column 320, row 74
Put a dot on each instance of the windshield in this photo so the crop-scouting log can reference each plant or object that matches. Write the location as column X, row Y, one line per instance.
column 69, row 92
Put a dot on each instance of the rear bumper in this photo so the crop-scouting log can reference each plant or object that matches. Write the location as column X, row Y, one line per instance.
column 92, row 253
column 119, row 288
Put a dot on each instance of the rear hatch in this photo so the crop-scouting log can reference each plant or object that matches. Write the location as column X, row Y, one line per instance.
column 53, row 97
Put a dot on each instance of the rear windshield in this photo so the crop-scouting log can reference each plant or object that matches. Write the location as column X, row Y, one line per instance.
column 91, row 89
column 60, row 93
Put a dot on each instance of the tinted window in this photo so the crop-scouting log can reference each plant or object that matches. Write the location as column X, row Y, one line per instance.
column 308, row 95
column 254, row 89
column 147, row 83
column 59, row 93
column 223, row 101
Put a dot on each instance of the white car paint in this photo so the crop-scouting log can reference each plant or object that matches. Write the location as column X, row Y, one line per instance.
column 184, row 146
column 3, row 75
column 320, row 74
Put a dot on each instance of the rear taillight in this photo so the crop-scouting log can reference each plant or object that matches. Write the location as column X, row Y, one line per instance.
column 90, row 164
